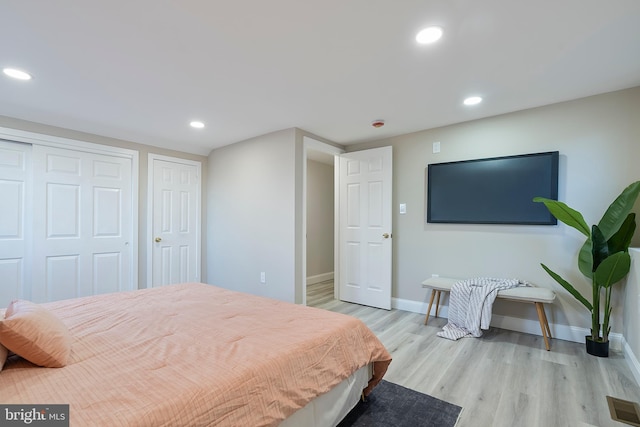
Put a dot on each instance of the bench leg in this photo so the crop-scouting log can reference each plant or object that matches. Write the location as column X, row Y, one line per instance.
column 433, row 294
column 438, row 304
column 544, row 324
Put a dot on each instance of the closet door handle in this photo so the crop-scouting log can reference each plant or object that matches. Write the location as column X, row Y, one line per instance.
column 158, row 239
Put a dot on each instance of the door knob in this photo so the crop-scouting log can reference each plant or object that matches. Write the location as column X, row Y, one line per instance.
column 158, row 239
column 386, row 235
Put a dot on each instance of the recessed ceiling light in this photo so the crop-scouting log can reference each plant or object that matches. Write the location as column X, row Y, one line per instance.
column 196, row 124
column 17, row 74
column 429, row 35
column 473, row 100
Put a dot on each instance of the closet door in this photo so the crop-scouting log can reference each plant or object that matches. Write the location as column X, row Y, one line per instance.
column 15, row 217
column 82, row 233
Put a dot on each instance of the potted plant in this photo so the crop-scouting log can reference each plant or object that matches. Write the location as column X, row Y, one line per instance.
column 604, row 258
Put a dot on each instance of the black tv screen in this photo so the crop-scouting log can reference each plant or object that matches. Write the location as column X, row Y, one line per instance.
column 498, row 190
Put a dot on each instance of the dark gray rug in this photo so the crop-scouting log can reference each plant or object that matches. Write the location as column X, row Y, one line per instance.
column 392, row 405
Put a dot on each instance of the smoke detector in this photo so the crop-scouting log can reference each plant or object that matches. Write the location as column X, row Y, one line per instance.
column 377, row 123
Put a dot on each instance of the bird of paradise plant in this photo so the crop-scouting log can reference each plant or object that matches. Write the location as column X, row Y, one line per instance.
column 604, row 256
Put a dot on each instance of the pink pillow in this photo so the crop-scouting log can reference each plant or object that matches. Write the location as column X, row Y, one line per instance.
column 4, row 352
column 3, row 355
column 36, row 334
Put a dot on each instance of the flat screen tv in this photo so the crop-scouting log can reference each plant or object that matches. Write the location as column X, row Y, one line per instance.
column 497, row 190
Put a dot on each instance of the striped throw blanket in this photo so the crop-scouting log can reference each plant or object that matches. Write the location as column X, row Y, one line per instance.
column 470, row 305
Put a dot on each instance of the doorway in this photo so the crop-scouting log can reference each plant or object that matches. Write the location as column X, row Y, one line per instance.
column 319, row 232
column 361, row 226
column 320, row 226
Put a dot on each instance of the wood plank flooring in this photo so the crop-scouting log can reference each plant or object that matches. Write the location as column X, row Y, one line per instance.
column 504, row 378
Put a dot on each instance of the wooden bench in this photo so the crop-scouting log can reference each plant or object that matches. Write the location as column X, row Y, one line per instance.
column 535, row 295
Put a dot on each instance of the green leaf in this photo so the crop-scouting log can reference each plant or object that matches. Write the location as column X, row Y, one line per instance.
column 618, row 210
column 585, row 259
column 569, row 287
column 613, row 269
column 599, row 247
column 564, row 213
column 621, row 240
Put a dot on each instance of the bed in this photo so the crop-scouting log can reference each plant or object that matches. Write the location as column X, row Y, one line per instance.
column 195, row 354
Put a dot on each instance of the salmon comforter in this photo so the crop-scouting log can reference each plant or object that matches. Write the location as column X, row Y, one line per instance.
column 194, row 354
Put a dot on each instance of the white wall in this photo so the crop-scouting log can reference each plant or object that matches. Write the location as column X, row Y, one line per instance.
column 252, row 215
column 631, row 313
column 320, row 215
column 598, row 140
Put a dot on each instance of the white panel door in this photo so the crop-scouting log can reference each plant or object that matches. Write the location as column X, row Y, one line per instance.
column 15, row 216
column 365, row 227
column 175, row 195
column 83, row 228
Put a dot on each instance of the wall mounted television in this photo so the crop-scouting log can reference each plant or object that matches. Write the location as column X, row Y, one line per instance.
column 496, row 190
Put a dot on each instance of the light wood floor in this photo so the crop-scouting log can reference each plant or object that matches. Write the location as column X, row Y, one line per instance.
column 501, row 379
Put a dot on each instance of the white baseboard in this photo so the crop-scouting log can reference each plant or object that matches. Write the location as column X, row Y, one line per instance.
column 319, row 278
column 409, row 305
column 527, row 326
column 632, row 360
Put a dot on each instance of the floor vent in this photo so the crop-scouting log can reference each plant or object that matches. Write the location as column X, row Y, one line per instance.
column 624, row 411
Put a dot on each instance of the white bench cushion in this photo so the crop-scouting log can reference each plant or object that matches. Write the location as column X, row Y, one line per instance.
column 522, row 293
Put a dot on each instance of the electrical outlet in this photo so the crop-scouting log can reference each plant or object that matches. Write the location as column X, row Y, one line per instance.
column 263, row 277
column 436, row 147
column 435, row 275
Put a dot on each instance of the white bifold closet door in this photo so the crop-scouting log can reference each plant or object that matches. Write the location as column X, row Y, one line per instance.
column 76, row 221
column 82, row 203
column 15, row 218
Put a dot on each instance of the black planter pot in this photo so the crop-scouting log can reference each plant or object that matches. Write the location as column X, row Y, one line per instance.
column 596, row 348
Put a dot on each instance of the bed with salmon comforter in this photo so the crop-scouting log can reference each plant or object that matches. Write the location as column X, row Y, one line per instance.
column 193, row 355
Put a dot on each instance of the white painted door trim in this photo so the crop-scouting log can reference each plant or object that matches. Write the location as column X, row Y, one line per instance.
column 69, row 144
column 35, row 138
column 310, row 144
column 150, row 182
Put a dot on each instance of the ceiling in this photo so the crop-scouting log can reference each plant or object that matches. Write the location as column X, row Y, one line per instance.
column 142, row 70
